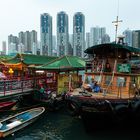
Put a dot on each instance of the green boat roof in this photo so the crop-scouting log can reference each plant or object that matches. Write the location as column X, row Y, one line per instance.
column 5, row 57
column 64, row 63
column 30, row 59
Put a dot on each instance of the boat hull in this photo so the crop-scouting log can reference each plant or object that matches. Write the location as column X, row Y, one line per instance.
column 98, row 120
column 13, row 127
column 16, row 128
column 100, row 116
column 98, row 112
column 7, row 105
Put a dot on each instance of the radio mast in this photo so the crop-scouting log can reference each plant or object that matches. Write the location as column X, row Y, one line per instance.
column 116, row 23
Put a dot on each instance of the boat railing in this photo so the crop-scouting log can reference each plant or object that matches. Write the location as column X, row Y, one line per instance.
column 116, row 89
column 9, row 86
column 122, row 90
column 19, row 85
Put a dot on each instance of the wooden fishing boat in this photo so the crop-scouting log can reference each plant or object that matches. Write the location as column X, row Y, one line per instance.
column 118, row 94
column 19, row 121
column 6, row 105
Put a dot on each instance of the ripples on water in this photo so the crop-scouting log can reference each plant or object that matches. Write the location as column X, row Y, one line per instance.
column 61, row 126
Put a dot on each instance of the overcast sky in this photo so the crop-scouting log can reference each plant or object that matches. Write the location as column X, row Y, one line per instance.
column 23, row 15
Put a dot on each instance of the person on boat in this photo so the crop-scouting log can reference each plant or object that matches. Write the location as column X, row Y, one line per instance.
column 95, row 86
column 43, row 92
column 107, row 67
column 41, row 89
column 89, row 86
column 92, row 84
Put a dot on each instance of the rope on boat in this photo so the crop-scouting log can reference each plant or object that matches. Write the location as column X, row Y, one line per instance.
column 101, row 72
column 112, row 76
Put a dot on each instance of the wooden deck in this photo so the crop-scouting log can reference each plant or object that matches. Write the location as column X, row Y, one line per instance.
column 103, row 95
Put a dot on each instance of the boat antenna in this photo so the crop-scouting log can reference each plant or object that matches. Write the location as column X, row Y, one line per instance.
column 116, row 23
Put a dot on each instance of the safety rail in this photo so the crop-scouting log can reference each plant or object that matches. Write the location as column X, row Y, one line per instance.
column 14, row 86
column 9, row 87
column 116, row 90
column 121, row 90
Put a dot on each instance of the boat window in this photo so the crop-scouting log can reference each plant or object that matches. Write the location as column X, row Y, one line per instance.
column 121, row 81
column 107, row 80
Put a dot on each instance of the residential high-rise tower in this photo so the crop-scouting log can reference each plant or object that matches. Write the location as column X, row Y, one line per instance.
column 46, row 34
column 128, row 37
column 96, row 35
column 62, row 33
column 136, row 38
column 12, row 44
column 78, row 34
column 4, row 47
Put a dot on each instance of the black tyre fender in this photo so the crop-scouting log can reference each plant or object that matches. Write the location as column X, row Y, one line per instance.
column 136, row 108
column 121, row 111
column 73, row 108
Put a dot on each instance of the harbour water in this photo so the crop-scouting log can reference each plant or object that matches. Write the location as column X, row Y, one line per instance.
column 60, row 126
